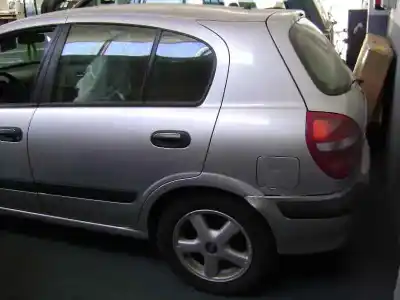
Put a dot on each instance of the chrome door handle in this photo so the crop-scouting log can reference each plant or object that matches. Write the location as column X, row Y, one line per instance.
column 167, row 135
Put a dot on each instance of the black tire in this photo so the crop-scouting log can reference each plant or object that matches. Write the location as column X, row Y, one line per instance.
column 264, row 258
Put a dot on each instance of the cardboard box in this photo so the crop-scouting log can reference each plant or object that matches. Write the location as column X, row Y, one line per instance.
column 372, row 67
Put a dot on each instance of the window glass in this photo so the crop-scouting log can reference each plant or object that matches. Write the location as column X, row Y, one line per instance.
column 182, row 70
column 24, row 47
column 20, row 57
column 103, row 64
column 325, row 67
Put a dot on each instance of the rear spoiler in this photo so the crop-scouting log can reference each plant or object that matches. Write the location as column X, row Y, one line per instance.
column 295, row 13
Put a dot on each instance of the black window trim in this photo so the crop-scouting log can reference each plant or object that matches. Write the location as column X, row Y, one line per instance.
column 38, row 83
column 52, row 65
column 150, row 64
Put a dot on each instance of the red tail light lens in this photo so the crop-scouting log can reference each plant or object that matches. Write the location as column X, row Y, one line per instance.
column 334, row 142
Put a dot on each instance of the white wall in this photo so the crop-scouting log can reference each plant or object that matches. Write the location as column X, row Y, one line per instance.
column 339, row 10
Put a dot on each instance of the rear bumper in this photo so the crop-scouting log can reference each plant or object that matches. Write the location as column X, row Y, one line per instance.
column 309, row 224
column 318, row 207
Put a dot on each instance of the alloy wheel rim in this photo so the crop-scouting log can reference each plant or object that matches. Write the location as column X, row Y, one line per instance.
column 212, row 245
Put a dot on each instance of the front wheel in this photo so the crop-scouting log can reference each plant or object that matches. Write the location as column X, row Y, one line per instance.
column 217, row 244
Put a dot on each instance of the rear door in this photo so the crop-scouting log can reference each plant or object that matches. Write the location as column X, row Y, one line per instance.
column 131, row 108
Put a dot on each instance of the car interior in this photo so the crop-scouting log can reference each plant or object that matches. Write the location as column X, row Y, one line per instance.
column 113, row 68
column 91, row 78
column 106, row 66
column 100, row 66
column 188, row 75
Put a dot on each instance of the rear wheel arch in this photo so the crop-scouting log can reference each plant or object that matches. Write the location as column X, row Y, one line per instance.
column 172, row 196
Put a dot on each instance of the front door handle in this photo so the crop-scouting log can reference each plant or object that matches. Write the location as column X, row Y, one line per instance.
column 10, row 134
column 170, row 139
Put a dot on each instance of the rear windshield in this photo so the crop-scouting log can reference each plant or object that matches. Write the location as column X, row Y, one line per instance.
column 325, row 67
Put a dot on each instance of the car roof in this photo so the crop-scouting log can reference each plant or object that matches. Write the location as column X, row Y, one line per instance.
column 175, row 12
column 180, row 11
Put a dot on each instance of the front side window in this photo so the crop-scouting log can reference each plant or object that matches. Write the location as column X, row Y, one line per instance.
column 24, row 47
column 20, row 57
column 111, row 63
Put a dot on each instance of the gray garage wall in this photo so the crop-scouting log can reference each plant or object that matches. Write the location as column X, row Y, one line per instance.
column 394, row 86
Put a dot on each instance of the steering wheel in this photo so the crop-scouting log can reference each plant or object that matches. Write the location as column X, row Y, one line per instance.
column 12, row 90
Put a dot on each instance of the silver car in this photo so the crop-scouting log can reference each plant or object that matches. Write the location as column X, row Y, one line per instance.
column 226, row 136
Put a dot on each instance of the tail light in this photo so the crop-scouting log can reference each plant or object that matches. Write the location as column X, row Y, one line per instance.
column 334, row 142
column 378, row 4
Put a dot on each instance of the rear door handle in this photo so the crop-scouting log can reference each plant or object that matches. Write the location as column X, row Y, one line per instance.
column 170, row 139
column 10, row 134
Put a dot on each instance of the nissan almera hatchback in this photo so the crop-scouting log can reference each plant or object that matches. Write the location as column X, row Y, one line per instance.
column 225, row 136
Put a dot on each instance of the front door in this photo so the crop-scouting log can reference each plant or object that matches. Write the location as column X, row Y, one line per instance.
column 124, row 114
column 21, row 54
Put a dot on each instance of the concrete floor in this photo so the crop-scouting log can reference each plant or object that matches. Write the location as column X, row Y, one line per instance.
column 47, row 262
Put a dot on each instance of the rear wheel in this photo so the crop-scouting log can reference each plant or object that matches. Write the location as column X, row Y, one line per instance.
column 217, row 244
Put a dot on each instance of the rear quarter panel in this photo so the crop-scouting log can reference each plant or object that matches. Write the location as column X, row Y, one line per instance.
column 351, row 103
column 262, row 116
column 279, row 26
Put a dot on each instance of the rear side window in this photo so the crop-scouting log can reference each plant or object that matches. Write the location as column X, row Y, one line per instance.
column 325, row 67
column 103, row 64
column 182, row 70
column 121, row 64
